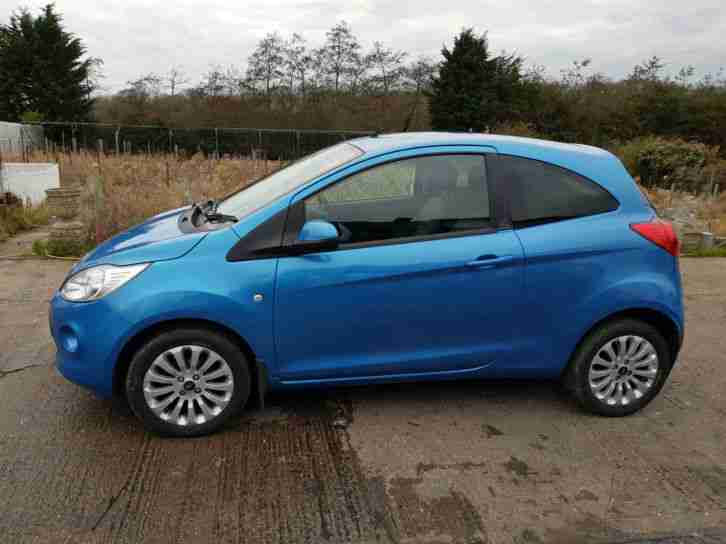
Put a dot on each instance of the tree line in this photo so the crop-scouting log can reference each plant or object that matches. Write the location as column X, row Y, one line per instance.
column 290, row 66
column 287, row 83
column 46, row 74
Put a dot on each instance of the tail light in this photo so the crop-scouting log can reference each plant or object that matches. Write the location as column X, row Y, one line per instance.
column 661, row 233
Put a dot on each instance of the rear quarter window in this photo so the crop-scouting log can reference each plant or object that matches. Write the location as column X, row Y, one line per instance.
column 542, row 192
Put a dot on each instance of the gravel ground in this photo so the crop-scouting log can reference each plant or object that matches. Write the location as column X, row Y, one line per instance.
column 468, row 462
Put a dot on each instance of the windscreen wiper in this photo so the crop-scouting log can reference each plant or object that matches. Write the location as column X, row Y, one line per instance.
column 214, row 217
column 208, row 209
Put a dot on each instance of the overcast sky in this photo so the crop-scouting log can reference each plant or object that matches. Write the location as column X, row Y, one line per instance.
column 134, row 37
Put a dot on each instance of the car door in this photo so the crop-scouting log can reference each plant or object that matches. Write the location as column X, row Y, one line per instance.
column 563, row 222
column 423, row 283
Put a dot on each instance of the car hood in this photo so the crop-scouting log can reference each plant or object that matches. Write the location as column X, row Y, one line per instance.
column 157, row 239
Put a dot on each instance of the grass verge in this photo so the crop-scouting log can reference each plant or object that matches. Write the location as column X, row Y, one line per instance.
column 15, row 219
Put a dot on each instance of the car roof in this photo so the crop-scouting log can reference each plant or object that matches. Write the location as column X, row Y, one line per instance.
column 504, row 144
column 592, row 162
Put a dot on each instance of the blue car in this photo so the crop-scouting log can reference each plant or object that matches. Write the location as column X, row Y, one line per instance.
column 418, row 256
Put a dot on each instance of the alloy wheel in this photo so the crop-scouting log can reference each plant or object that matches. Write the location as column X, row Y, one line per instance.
column 623, row 370
column 188, row 385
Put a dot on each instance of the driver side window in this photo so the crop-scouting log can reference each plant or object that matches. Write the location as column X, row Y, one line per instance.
column 422, row 196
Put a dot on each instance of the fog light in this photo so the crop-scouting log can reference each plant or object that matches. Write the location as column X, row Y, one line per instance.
column 68, row 339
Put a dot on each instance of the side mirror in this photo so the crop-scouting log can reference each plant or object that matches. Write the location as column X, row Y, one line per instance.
column 317, row 235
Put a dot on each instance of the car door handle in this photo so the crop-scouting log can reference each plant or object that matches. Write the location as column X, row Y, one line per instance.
column 490, row 261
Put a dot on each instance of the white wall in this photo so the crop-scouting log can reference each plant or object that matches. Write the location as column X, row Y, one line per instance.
column 14, row 135
column 29, row 180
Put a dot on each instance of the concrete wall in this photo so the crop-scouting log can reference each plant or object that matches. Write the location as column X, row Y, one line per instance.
column 29, row 180
column 14, row 135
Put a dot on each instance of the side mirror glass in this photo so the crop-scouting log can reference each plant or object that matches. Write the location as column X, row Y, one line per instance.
column 317, row 230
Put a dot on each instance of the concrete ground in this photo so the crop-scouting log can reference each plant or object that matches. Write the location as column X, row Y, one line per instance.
column 466, row 462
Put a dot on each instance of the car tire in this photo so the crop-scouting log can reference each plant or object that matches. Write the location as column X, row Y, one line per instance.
column 187, row 393
column 613, row 371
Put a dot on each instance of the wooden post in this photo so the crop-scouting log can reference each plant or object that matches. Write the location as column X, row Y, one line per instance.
column 116, row 136
column 99, row 201
column 2, row 186
column 188, row 190
column 707, row 241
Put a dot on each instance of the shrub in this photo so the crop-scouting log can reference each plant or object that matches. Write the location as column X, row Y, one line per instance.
column 713, row 252
column 518, row 128
column 65, row 248
column 40, row 248
column 660, row 162
column 14, row 219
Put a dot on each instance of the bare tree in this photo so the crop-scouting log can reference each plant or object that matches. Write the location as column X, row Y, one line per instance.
column 175, row 79
column 339, row 53
column 298, row 62
column 358, row 72
column 236, row 82
column 388, row 67
column 95, row 75
column 145, row 87
column 418, row 77
column 575, row 75
column 265, row 65
column 648, row 70
column 213, row 82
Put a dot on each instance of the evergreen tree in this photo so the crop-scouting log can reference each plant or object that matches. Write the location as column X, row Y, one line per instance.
column 460, row 88
column 42, row 69
column 474, row 90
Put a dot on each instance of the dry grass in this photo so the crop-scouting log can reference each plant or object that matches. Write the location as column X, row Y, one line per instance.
column 135, row 187
column 709, row 213
column 714, row 212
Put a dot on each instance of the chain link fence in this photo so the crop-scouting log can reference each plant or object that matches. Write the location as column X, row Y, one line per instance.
column 269, row 144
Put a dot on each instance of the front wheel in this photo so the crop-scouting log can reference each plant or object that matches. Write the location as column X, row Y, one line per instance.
column 619, row 368
column 187, row 382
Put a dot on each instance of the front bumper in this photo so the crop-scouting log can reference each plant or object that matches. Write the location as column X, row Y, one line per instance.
column 87, row 336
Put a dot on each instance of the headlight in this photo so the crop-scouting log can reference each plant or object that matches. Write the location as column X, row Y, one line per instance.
column 98, row 281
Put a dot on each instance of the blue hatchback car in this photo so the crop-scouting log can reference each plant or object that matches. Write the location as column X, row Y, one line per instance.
column 418, row 256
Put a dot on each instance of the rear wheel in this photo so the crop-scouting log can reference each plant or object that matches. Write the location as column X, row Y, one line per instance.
column 187, row 382
column 619, row 367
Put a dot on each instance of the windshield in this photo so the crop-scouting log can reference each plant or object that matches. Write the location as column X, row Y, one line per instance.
column 284, row 181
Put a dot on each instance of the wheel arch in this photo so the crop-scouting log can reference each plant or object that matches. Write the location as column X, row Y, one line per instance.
column 257, row 368
column 661, row 321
